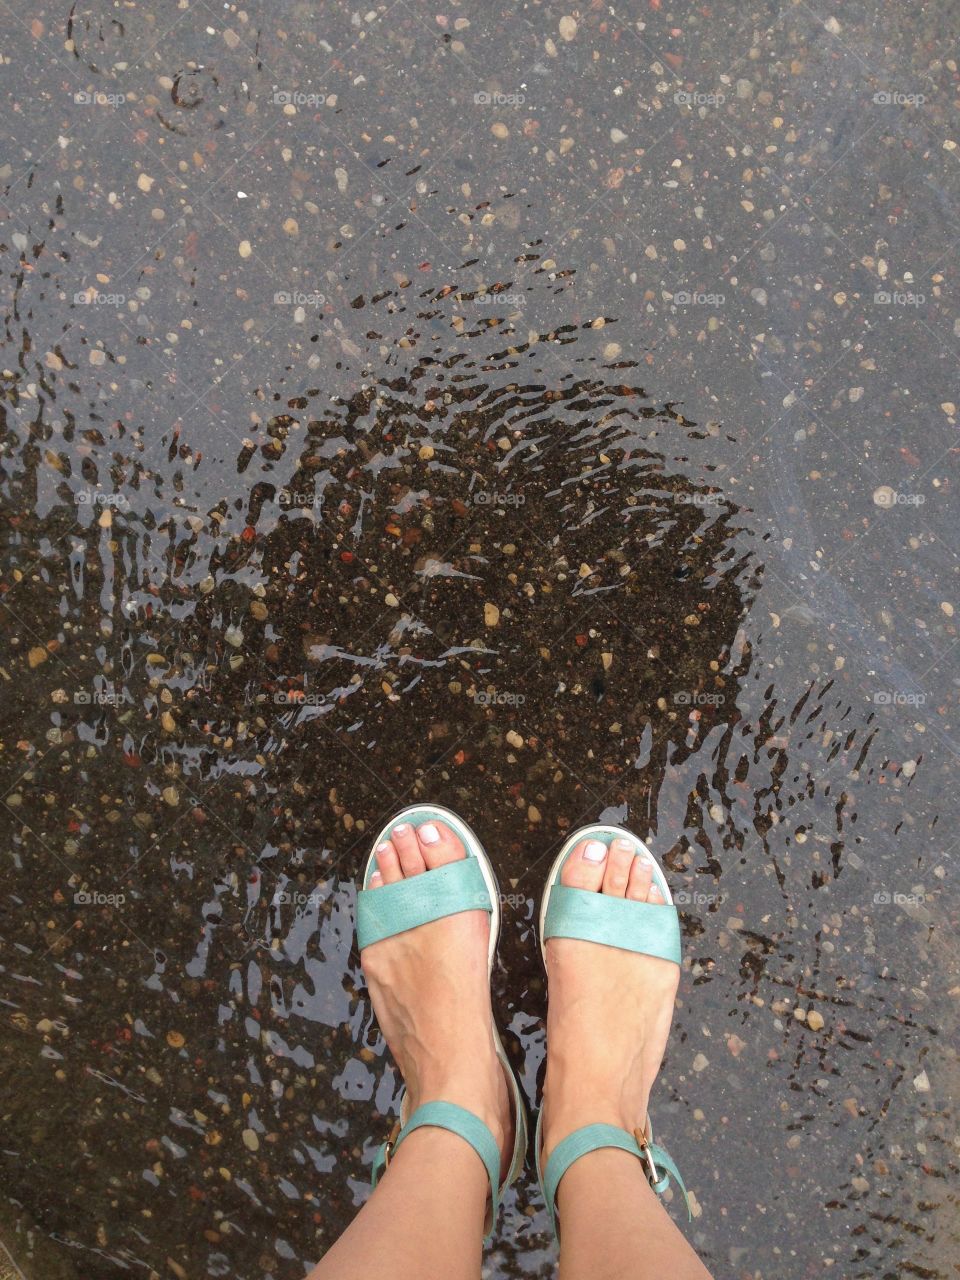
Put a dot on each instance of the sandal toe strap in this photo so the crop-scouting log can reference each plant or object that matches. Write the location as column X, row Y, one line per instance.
column 407, row 904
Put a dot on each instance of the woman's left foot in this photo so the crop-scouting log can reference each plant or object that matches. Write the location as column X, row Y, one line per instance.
column 431, row 992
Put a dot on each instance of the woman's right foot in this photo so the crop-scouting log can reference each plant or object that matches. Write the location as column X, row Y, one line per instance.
column 609, row 1010
column 430, row 991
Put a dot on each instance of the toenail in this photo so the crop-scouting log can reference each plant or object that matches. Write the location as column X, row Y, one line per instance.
column 595, row 851
column 623, row 843
column 375, row 877
column 428, row 833
column 384, row 847
column 402, row 828
column 645, row 854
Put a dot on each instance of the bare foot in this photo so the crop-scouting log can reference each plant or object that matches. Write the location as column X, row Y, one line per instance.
column 431, row 992
column 609, row 1010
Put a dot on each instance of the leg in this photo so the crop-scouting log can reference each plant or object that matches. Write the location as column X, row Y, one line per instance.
column 424, row 1221
column 608, row 1021
column 431, row 995
column 614, row 1226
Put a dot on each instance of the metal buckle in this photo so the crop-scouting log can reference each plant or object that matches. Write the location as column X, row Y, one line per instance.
column 653, row 1173
column 391, row 1145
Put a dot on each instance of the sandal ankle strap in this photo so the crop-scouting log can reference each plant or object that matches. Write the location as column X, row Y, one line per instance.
column 657, row 1164
column 456, row 1119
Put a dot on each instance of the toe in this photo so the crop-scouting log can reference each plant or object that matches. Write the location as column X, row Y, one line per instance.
column 439, row 844
column 584, row 868
column 388, row 861
column 641, row 877
column 411, row 859
column 619, row 861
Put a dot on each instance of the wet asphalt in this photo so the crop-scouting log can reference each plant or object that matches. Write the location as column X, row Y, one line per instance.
column 547, row 412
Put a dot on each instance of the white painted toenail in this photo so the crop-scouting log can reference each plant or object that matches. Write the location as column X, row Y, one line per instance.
column 383, row 847
column 402, row 828
column 595, row 851
column 376, row 878
column 428, row 833
column 623, row 843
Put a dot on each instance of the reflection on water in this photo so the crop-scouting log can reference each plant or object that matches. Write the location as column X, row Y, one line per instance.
column 458, row 550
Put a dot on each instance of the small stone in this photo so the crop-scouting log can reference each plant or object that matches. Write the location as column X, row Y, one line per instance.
column 491, row 614
column 832, row 25
column 292, row 227
column 426, row 452
column 171, row 796
column 908, row 768
column 946, row 608
column 244, row 249
column 607, row 659
column 514, row 739
column 949, row 408
column 568, row 27
column 391, row 600
column 617, row 135
column 533, row 813
column 814, row 1020
column 37, row 655
column 250, row 1140
column 701, row 1062
column 611, row 350
column 145, row 182
column 499, row 130
column 922, row 1082
column 167, row 722
column 176, row 1040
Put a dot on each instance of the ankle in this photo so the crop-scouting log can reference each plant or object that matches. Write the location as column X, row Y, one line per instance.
column 476, row 1083
column 568, row 1106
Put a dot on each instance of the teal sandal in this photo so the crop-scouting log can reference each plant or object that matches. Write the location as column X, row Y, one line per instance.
column 649, row 929
column 464, row 885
